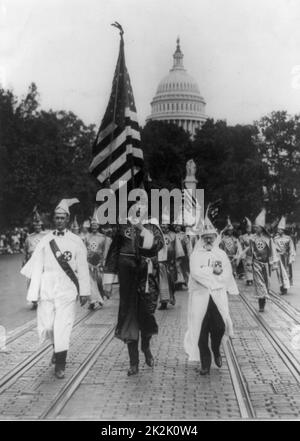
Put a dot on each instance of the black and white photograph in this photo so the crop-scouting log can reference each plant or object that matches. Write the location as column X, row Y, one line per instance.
column 149, row 213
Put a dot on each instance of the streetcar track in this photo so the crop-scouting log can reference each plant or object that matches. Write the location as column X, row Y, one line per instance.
column 8, row 379
column 285, row 354
column 285, row 306
column 66, row 393
column 238, row 382
column 21, row 331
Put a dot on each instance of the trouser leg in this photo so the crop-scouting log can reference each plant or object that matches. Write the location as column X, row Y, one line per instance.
column 45, row 320
column 63, row 323
column 205, row 355
column 60, row 360
column 145, row 342
column 217, row 328
column 133, row 352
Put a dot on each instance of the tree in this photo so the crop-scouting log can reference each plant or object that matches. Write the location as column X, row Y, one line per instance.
column 229, row 168
column 278, row 141
column 166, row 147
column 44, row 156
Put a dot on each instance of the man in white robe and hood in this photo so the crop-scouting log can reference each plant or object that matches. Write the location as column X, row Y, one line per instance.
column 208, row 312
column 59, row 273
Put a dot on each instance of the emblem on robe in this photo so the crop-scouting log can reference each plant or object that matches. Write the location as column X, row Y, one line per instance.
column 128, row 233
column 93, row 246
column 260, row 245
column 67, row 256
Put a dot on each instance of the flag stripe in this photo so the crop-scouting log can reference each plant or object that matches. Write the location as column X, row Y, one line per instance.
column 106, row 138
column 105, row 163
column 119, row 160
column 117, row 152
column 111, row 149
column 127, row 177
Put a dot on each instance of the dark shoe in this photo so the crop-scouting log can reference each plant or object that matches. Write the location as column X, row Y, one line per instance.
column 162, row 306
column 149, row 358
column 133, row 370
column 34, row 306
column 261, row 304
column 60, row 364
column 284, row 291
column 59, row 372
column 91, row 306
column 218, row 360
column 204, row 371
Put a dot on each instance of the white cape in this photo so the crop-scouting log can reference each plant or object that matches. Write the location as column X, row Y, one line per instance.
column 202, row 284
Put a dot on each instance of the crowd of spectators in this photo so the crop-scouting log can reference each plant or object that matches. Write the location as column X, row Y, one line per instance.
column 12, row 241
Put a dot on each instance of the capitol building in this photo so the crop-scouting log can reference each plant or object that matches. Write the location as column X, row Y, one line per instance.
column 178, row 99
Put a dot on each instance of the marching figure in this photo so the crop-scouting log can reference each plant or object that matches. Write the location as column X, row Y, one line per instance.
column 167, row 269
column 32, row 241
column 84, row 232
column 182, row 253
column 59, row 273
column 231, row 245
column 246, row 254
column 286, row 251
column 133, row 257
column 264, row 259
column 208, row 313
column 96, row 247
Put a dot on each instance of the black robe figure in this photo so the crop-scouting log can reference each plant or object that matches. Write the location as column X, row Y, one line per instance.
column 133, row 257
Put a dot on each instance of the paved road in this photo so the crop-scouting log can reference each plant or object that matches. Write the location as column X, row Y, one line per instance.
column 14, row 309
column 173, row 389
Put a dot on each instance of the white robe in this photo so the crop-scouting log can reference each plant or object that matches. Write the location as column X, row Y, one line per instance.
column 54, row 290
column 202, row 284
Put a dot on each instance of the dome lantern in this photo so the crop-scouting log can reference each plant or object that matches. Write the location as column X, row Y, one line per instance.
column 178, row 99
column 178, row 57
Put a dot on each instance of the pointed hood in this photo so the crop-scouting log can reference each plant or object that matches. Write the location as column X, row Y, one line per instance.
column 94, row 219
column 208, row 227
column 248, row 222
column 282, row 224
column 75, row 225
column 260, row 221
column 64, row 205
column 229, row 225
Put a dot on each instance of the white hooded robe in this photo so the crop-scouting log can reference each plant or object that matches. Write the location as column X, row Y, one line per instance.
column 202, row 284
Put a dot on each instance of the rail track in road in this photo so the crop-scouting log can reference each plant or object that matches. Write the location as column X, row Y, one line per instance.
column 284, row 352
column 59, row 402
column 31, row 360
column 238, row 382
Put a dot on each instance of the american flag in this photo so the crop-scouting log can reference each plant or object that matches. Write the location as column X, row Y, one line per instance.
column 190, row 206
column 117, row 153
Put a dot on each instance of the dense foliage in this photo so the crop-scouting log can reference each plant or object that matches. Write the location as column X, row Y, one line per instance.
column 44, row 156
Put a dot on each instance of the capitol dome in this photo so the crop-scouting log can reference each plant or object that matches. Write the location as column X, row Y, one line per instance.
column 178, row 99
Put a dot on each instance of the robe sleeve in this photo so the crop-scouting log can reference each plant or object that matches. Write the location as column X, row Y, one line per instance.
column 152, row 238
column 273, row 256
column 33, row 270
column 111, row 263
column 203, row 274
column 239, row 248
column 292, row 251
column 226, row 277
column 83, row 270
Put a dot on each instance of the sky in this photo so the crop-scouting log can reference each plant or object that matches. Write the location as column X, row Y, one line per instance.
column 244, row 54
